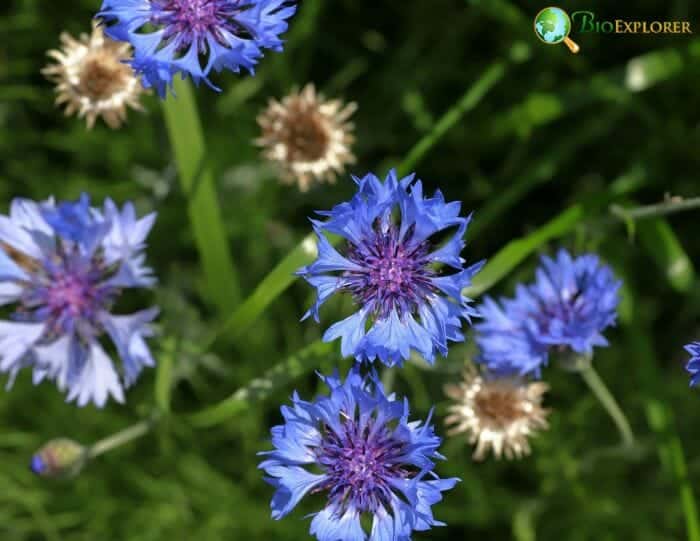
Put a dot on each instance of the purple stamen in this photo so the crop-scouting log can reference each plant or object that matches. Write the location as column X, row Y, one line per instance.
column 359, row 464
column 191, row 21
column 396, row 273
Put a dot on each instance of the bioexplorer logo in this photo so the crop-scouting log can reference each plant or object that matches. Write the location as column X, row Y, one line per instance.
column 553, row 26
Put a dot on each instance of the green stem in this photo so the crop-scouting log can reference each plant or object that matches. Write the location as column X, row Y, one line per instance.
column 671, row 206
column 121, row 438
column 199, row 187
column 469, row 100
column 607, row 400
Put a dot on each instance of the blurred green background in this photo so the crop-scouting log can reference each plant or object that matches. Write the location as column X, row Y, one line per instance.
column 537, row 141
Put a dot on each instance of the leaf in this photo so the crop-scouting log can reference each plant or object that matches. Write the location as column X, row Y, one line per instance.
column 662, row 245
column 267, row 291
column 469, row 100
column 516, row 251
column 198, row 186
column 296, row 365
column 164, row 375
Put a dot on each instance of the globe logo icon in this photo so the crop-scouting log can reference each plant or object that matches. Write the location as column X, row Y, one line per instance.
column 553, row 25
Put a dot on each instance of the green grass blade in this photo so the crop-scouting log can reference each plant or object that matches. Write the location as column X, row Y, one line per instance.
column 273, row 285
column 469, row 100
column 672, row 458
column 164, row 375
column 516, row 251
column 198, row 185
column 296, row 365
column 663, row 246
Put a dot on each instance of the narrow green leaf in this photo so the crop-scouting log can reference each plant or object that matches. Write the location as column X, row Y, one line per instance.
column 469, row 100
column 663, row 246
column 198, row 185
column 267, row 291
column 516, row 251
column 258, row 389
column 164, row 379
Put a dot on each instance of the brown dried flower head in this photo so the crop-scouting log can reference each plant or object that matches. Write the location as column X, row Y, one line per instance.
column 307, row 136
column 497, row 414
column 92, row 80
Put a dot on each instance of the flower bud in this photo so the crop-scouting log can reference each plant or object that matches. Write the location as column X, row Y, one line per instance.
column 59, row 458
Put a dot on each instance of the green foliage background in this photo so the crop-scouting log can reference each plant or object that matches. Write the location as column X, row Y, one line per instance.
column 534, row 137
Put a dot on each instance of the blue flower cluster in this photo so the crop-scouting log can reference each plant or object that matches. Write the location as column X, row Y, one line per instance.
column 401, row 264
column 63, row 266
column 195, row 37
column 567, row 308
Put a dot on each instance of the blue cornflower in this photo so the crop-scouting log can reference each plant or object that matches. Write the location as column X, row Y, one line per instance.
column 64, row 266
column 358, row 447
column 194, row 37
column 570, row 304
column 407, row 285
column 693, row 366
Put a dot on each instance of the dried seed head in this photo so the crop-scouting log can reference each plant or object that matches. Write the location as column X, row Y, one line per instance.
column 308, row 137
column 92, row 78
column 497, row 414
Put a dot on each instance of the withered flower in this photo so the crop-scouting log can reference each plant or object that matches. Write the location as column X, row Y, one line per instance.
column 497, row 414
column 308, row 137
column 92, row 79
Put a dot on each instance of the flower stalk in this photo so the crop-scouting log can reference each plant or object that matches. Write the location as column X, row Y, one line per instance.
column 607, row 400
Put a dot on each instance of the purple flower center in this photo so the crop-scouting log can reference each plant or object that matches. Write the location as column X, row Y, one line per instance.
column 68, row 293
column 71, row 295
column 360, row 464
column 191, row 21
column 395, row 273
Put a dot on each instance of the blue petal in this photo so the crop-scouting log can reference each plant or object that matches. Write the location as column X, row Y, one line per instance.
column 388, row 339
column 292, row 483
column 351, row 331
column 128, row 333
column 325, row 287
column 9, row 270
column 16, row 341
column 91, row 377
column 336, row 525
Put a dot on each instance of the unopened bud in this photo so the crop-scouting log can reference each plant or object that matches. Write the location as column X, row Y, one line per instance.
column 59, row 458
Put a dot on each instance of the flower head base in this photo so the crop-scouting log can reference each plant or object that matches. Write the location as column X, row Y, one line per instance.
column 59, row 458
column 195, row 37
column 92, row 79
column 365, row 456
column 499, row 415
column 570, row 304
column 407, row 285
column 64, row 266
column 307, row 137
column 693, row 366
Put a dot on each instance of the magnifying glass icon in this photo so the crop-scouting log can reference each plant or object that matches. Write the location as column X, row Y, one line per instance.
column 553, row 26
